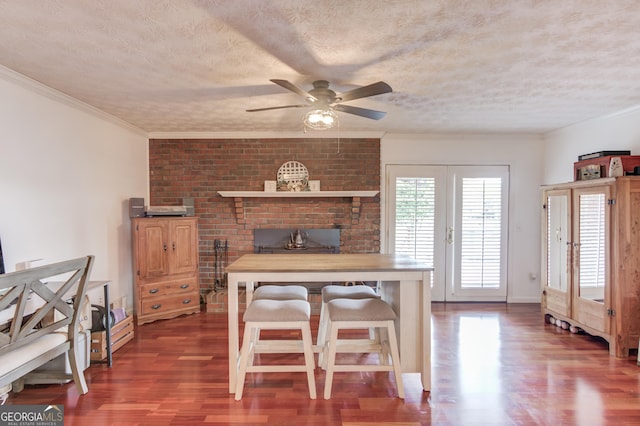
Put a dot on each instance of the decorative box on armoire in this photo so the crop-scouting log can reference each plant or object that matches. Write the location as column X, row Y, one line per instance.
column 165, row 262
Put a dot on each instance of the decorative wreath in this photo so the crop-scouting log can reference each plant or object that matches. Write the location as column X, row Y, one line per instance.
column 293, row 176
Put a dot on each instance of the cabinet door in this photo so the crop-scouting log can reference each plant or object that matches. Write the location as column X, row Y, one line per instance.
column 152, row 246
column 591, row 266
column 184, row 246
column 556, row 260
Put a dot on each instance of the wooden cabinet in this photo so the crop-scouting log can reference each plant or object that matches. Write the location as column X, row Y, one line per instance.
column 591, row 258
column 165, row 253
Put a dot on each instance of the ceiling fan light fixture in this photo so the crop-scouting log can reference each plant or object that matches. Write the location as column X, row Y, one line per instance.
column 320, row 119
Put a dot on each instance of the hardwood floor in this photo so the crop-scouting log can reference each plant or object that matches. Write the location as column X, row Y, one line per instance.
column 493, row 364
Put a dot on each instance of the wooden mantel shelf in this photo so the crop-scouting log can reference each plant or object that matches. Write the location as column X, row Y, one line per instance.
column 301, row 194
column 239, row 196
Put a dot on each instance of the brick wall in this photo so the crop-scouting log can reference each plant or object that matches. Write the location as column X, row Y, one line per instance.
column 199, row 168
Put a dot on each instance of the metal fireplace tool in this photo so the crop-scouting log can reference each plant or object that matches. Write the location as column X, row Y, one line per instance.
column 221, row 258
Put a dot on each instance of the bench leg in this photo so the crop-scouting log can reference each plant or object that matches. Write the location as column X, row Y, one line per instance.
column 18, row 385
column 76, row 371
column 4, row 393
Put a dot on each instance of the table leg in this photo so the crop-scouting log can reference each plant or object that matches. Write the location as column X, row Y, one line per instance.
column 411, row 302
column 248, row 290
column 232, row 288
column 107, row 326
column 425, row 296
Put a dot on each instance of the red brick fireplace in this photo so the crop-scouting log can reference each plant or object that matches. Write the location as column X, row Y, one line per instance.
column 199, row 168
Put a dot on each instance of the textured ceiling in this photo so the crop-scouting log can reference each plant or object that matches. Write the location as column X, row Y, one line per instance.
column 454, row 65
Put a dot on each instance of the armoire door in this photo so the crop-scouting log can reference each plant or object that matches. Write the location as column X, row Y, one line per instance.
column 557, row 261
column 152, row 238
column 184, row 246
column 591, row 275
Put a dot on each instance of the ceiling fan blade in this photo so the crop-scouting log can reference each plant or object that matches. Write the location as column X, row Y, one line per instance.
column 362, row 112
column 295, row 89
column 277, row 107
column 362, row 92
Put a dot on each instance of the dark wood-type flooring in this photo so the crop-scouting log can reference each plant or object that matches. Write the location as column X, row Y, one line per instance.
column 493, row 364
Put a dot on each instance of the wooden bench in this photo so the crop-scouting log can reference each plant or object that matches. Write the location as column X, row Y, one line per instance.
column 39, row 322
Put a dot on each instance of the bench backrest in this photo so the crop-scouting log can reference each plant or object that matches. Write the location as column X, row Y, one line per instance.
column 35, row 308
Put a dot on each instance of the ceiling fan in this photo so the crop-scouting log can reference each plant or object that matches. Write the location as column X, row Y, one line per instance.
column 323, row 98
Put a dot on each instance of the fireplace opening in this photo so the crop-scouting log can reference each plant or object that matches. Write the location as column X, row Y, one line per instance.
column 298, row 240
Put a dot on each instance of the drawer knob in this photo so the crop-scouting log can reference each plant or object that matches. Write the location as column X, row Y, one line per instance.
column 184, row 286
column 154, row 291
column 156, row 306
column 186, row 301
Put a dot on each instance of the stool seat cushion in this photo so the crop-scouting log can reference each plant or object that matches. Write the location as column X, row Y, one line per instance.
column 331, row 292
column 277, row 310
column 360, row 310
column 280, row 292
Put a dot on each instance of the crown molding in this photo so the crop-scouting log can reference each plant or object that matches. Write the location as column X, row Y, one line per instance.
column 55, row 95
column 266, row 135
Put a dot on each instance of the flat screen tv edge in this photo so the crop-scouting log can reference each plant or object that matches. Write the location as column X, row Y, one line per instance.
column 1, row 260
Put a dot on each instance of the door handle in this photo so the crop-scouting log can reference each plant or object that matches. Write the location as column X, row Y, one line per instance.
column 450, row 235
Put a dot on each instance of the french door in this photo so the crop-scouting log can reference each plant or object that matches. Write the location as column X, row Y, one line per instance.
column 455, row 219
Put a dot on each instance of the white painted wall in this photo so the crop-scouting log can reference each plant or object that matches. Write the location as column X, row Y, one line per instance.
column 66, row 175
column 614, row 132
column 523, row 154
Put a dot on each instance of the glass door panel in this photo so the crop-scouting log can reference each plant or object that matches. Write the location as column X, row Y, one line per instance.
column 592, row 247
column 454, row 218
column 477, row 233
column 591, row 275
column 557, row 263
column 416, row 217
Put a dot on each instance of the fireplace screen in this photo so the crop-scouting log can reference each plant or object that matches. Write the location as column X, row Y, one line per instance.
column 296, row 241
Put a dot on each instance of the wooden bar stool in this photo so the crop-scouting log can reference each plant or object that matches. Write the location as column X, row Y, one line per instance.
column 362, row 314
column 276, row 315
column 280, row 292
column 330, row 293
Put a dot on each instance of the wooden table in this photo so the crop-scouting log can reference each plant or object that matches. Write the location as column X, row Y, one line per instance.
column 405, row 284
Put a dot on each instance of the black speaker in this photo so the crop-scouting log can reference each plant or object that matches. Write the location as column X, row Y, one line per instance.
column 99, row 318
column 189, row 203
column 136, row 207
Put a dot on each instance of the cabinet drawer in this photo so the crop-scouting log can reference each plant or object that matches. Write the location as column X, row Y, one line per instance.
column 169, row 304
column 168, row 288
